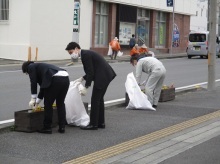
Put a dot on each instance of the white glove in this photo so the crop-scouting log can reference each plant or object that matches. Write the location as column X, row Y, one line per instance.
column 82, row 90
column 32, row 102
column 38, row 101
column 79, row 80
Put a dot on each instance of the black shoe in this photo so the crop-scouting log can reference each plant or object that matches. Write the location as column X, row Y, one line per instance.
column 154, row 106
column 61, row 130
column 101, row 126
column 89, row 127
column 45, row 131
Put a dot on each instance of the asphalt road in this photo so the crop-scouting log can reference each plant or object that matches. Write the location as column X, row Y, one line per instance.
column 15, row 86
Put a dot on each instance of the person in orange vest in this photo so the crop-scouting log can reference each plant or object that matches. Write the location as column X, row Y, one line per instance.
column 115, row 47
column 143, row 49
column 134, row 51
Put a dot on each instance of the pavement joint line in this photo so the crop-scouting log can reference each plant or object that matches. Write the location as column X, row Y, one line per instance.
column 134, row 143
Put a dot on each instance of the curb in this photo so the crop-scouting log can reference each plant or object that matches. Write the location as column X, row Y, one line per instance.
column 111, row 105
column 6, row 127
column 125, row 58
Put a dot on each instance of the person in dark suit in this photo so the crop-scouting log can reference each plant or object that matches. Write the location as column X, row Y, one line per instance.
column 98, row 70
column 54, row 84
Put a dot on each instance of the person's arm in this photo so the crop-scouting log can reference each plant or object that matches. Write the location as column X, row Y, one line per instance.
column 133, row 51
column 138, row 72
column 136, row 51
column 119, row 47
column 89, row 70
column 33, row 80
column 41, row 94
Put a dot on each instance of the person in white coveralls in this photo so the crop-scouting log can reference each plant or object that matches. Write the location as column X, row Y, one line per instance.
column 156, row 75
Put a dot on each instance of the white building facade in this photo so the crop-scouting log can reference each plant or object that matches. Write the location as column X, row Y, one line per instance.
column 199, row 21
column 47, row 26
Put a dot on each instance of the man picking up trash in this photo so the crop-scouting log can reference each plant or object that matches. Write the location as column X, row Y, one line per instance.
column 98, row 70
column 54, row 84
column 156, row 75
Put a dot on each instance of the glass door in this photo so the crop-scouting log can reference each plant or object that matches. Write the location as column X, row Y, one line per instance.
column 160, row 36
column 143, row 32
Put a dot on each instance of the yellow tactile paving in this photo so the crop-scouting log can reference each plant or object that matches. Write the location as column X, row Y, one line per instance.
column 134, row 143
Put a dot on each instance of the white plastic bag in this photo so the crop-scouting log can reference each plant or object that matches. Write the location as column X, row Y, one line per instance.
column 138, row 100
column 120, row 53
column 109, row 50
column 75, row 109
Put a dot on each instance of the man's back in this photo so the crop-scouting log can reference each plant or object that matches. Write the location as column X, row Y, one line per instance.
column 132, row 42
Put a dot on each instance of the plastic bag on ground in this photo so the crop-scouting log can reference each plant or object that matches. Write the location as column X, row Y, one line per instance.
column 75, row 110
column 120, row 53
column 138, row 100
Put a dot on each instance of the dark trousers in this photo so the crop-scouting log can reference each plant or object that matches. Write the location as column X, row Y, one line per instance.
column 114, row 54
column 97, row 115
column 57, row 91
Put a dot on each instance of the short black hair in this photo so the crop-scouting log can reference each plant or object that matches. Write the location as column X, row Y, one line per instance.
column 132, row 35
column 25, row 66
column 72, row 46
column 133, row 58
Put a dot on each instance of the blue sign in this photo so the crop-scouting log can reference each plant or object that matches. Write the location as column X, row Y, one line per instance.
column 169, row 3
column 176, row 36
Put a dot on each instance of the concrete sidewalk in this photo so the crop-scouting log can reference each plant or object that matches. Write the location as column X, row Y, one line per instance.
column 130, row 136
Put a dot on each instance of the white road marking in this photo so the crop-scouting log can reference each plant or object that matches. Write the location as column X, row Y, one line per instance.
column 10, row 71
column 6, row 121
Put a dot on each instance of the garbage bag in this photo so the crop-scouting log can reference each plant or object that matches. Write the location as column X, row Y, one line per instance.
column 119, row 53
column 75, row 110
column 109, row 50
column 138, row 100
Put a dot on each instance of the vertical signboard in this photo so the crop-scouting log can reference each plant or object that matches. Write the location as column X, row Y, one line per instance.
column 176, row 36
column 76, row 22
column 169, row 3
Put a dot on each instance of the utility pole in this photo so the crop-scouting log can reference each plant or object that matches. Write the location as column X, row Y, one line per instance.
column 171, row 3
column 212, row 4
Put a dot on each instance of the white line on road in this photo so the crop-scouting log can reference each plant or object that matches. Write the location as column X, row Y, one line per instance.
column 10, row 71
column 6, row 121
column 194, row 85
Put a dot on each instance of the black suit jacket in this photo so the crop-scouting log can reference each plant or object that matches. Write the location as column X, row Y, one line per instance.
column 41, row 73
column 96, row 69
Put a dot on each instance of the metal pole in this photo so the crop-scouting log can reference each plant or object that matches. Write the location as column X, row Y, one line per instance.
column 171, row 46
column 212, row 45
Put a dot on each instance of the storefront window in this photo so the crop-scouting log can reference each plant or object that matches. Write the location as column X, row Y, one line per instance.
column 101, row 25
column 143, row 26
column 125, row 32
column 160, row 36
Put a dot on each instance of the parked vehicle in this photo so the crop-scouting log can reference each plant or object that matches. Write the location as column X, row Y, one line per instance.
column 198, row 44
